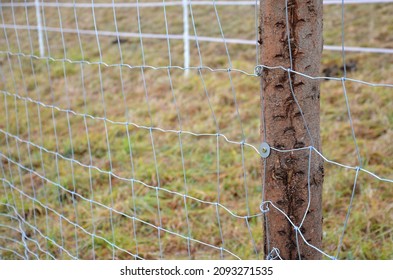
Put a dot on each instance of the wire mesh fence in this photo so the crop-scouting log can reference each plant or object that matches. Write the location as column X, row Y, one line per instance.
column 113, row 146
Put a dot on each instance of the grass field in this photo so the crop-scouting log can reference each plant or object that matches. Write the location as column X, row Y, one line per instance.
column 85, row 177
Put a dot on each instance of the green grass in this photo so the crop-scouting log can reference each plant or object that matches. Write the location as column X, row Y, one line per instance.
column 75, row 142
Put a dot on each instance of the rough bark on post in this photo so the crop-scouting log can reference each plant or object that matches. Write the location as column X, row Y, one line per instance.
column 289, row 175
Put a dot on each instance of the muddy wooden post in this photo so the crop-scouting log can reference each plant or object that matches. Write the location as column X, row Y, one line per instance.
column 290, row 110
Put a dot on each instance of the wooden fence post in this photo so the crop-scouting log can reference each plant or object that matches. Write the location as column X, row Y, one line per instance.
column 291, row 37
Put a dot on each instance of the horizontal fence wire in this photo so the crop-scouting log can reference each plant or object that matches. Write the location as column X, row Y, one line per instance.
column 175, row 3
column 181, row 37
